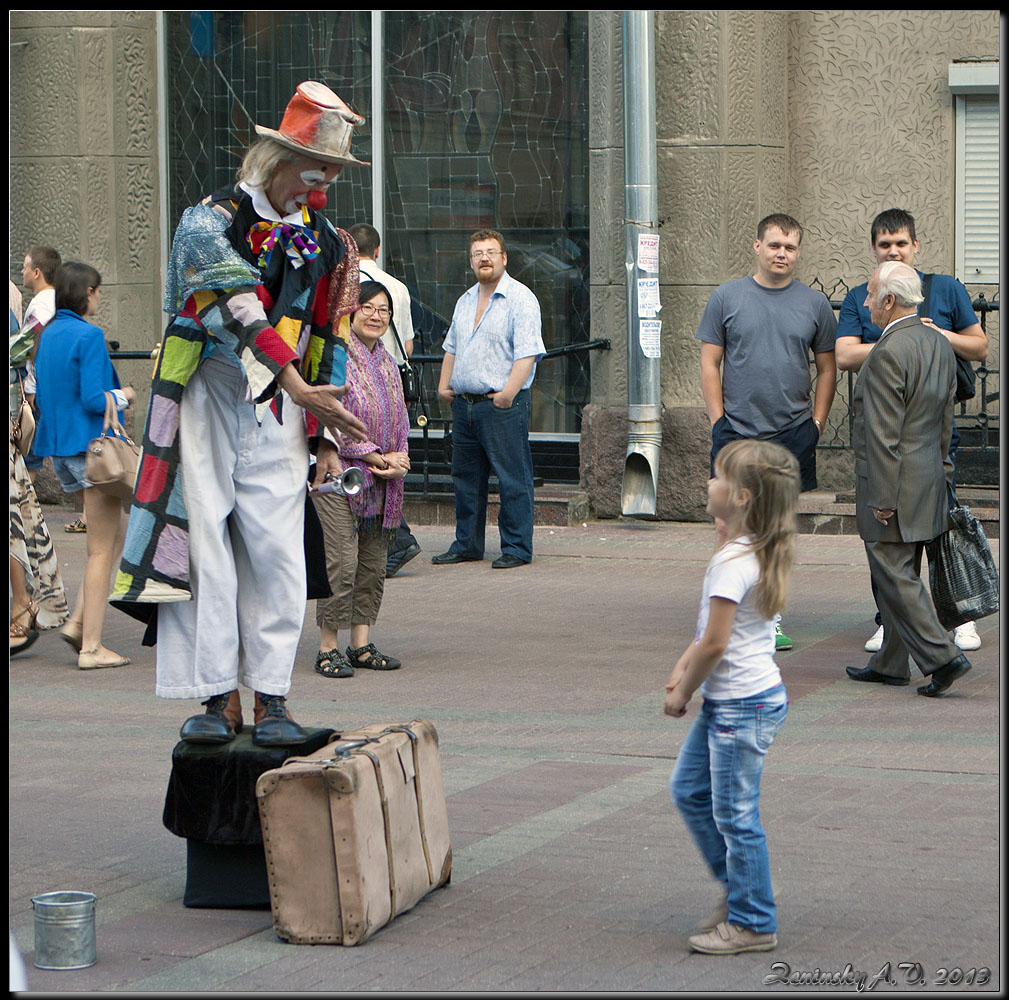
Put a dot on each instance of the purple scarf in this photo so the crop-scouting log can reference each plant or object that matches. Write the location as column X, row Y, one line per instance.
column 375, row 396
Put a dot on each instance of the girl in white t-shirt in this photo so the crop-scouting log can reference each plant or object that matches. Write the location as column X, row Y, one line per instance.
column 716, row 781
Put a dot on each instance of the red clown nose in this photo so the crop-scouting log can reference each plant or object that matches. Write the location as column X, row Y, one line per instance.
column 316, row 200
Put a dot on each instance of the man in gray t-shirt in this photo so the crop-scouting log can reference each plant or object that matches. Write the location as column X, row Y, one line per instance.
column 756, row 336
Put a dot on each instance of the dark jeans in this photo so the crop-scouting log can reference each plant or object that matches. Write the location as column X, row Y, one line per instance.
column 487, row 439
column 404, row 537
column 799, row 440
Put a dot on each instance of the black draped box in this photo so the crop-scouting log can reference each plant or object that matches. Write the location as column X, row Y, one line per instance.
column 211, row 802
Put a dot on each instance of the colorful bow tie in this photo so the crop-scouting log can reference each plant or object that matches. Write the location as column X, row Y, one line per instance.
column 298, row 242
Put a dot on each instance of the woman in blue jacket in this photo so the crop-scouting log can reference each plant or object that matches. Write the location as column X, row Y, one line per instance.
column 74, row 373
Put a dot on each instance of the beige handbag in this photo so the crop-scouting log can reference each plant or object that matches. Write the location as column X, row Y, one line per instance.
column 23, row 429
column 111, row 460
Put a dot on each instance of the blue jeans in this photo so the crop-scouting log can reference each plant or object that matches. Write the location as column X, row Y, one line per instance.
column 487, row 439
column 716, row 788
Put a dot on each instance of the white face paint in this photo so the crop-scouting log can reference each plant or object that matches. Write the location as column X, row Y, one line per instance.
column 315, row 179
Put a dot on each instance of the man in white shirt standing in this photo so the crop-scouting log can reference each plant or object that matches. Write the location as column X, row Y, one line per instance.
column 491, row 352
column 398, row 341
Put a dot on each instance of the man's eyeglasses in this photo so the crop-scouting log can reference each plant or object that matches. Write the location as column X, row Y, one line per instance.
column 369, row 310
column 489, row 254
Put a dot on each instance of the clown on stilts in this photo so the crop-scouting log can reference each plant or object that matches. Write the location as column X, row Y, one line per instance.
column 260, row 287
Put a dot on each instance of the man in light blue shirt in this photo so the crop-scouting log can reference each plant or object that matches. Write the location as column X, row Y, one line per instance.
column 491, row 351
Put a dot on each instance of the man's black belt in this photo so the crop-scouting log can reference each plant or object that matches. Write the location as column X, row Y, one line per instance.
column 472, row 398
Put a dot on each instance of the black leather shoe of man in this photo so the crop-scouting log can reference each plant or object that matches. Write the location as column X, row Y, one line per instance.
column 219, row 724
column 944, row 676
column 274, row 726
column 874, row 677
column 447, row 558
column 507, row 562
column 398, row 558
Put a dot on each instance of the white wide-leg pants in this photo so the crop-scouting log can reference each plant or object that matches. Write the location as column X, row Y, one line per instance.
column 244, row 488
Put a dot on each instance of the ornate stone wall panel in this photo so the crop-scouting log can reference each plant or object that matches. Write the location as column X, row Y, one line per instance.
column 98, row 217
column 137, row 251
column 94, row 91
column 40, row 19
column 741, row 210
column 135, row 98
column 688, row 89
column 692, row 196
column 43, row 85
column 743, row 83
column 774, row 85
column 871, row 126
column 605, row 80
column 682, row 306
column 609, row 368
column 606, row 212
column 45, row 208
column 774, row 194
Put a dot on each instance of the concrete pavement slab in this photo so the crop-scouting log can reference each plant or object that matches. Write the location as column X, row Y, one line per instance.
column 572, row 871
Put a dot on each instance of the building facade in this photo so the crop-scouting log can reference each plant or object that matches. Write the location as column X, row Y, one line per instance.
column 514, row 120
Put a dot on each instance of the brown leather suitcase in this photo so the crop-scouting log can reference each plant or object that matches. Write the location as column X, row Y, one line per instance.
column 355, row 833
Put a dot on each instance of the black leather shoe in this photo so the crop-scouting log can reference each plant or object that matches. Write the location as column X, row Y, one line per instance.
column 219, row 724
column 944, row 676
column 507, row 562
column 868, row 674
column 398, row 558
column 274, row 726
column 447, row 558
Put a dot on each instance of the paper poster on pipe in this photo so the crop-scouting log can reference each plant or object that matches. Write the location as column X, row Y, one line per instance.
column 650, row 337
column 648, row 298
column 648, row 253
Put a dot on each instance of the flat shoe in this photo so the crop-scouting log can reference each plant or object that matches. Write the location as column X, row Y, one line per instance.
column 76, row 527
column 507, row 562
column 72, row 636
column 874, row 677
column 90, row 661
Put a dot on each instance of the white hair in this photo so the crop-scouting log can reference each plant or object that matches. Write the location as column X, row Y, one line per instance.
column 262, row 160
column 901, row 281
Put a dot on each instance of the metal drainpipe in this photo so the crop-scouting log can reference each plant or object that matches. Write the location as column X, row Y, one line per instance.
column 644, row 408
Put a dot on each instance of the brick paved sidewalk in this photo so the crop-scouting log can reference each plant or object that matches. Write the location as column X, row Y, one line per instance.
column 572, row 871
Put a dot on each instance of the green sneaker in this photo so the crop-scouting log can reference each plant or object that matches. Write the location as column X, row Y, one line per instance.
column 781, row 641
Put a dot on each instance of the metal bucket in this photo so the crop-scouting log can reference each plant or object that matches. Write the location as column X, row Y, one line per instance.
column 65, row 930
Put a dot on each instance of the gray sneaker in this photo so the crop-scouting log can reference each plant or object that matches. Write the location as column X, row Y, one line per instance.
column 728, row 939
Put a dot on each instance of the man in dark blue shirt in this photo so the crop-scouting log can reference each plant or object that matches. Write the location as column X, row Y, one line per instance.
column 949, row 311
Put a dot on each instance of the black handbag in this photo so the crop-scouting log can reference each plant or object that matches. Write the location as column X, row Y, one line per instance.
column 409, row 373
column 966, row 377
column 961, row 571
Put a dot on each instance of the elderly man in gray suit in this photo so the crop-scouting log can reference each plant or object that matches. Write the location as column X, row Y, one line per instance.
column 903, row 404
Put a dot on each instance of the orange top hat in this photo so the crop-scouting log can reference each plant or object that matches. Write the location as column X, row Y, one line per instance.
column 318, row 124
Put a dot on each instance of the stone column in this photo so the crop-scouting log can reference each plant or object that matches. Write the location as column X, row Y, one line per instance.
column 84, row 162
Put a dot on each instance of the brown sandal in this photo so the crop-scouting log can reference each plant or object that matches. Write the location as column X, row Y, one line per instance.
column 26, row 632
column 75, row 527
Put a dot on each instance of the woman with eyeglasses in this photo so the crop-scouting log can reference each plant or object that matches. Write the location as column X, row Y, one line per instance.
column 358, row 529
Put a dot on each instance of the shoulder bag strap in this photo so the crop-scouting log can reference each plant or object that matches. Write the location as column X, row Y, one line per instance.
column 926, row 291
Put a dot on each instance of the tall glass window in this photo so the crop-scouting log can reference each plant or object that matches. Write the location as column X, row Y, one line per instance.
column 485, row 126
